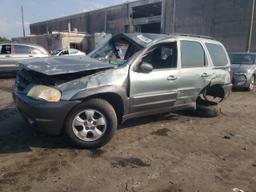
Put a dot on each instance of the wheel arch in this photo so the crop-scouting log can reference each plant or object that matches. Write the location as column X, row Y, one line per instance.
column 216, row 91
column 116, row 96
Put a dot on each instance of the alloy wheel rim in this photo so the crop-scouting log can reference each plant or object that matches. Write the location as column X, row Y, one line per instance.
column 89, row 125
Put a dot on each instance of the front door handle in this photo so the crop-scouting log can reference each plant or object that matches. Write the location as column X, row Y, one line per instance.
column 171, row 78
column 205, row 75
column 7, row 56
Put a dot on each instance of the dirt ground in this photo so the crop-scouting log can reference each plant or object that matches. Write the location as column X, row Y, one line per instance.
column 173, row 153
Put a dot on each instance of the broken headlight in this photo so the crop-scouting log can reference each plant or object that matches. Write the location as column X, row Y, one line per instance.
column 44, row 92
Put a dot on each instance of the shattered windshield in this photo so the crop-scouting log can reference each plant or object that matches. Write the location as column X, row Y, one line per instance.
column 242, row 59
column 115, row 52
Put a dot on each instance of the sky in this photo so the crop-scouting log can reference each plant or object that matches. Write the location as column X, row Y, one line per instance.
column 40, row 10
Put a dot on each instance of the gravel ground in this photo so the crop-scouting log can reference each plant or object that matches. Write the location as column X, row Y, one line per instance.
column 173, row 153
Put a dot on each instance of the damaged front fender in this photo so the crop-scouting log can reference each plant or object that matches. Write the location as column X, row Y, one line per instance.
column 78, row 88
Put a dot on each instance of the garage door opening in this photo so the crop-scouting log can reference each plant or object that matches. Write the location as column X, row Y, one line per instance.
column 149, row 28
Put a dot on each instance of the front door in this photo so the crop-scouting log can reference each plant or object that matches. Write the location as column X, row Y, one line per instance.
column 158, row 88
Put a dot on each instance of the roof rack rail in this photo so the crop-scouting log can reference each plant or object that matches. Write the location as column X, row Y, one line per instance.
column 192, row 35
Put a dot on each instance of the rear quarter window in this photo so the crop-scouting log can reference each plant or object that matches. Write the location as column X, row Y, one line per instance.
column 218, row 54
column 36, row 51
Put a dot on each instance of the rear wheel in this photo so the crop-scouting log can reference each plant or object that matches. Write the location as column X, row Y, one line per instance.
column 91, row 124
column 207, row 109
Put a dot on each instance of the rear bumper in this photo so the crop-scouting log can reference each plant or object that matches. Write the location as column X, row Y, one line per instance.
column 44, row 116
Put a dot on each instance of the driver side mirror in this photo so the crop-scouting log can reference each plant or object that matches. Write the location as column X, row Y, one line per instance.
column 145, row 67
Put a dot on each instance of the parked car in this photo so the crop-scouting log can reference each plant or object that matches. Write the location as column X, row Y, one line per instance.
column 12, row 53
column 65, row 52
column 87, row 97
column 244, row 70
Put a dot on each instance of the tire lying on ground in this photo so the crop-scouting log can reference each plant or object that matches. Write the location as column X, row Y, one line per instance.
column 207, row 109
column 91, row 124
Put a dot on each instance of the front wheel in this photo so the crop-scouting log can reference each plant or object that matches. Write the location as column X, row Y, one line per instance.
column 92, row 124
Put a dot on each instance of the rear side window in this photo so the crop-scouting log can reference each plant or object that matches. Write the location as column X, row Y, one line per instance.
column 217, row 53
column 192, row 54
column 21, row 49
column 73, row 51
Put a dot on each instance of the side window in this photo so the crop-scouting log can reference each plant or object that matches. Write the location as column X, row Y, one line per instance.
column 72, row 51
column 6, row 49
column 217, row 53
column 21, row 49
column 64, row 52
column 162, row 56
column 192, row 54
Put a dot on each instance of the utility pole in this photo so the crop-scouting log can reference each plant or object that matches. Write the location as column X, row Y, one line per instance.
column 174, row 16
column 22, row 17
column 251, row 27
column 163, row 16
column 130, row 18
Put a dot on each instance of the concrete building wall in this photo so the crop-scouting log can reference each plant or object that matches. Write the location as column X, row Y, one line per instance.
column 225, row 20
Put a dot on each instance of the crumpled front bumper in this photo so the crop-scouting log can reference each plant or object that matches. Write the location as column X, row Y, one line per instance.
column 45, row 116
column 240, row 81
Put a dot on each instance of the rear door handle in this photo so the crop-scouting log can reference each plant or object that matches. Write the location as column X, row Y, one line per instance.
column 171, row 78
column 205, row 75
column 7, row 56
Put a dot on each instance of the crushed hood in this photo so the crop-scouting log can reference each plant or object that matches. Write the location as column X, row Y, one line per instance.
column 64, row 65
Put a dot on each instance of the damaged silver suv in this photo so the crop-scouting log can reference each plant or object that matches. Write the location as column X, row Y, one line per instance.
column 132, row 75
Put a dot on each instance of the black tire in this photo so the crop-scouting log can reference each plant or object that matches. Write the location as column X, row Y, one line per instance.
column 207, row 109
column 251, row 84
column 110, row 115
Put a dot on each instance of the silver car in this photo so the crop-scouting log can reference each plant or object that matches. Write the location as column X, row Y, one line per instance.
column 12, row 53
column 132, row 75
column 66, row 52
column 244, row 70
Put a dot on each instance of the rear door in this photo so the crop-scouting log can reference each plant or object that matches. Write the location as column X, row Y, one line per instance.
column 220, row 61
column 157, row 89
column 195, row 73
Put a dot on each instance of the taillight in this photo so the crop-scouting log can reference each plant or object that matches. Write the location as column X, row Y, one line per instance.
column 47, row 51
